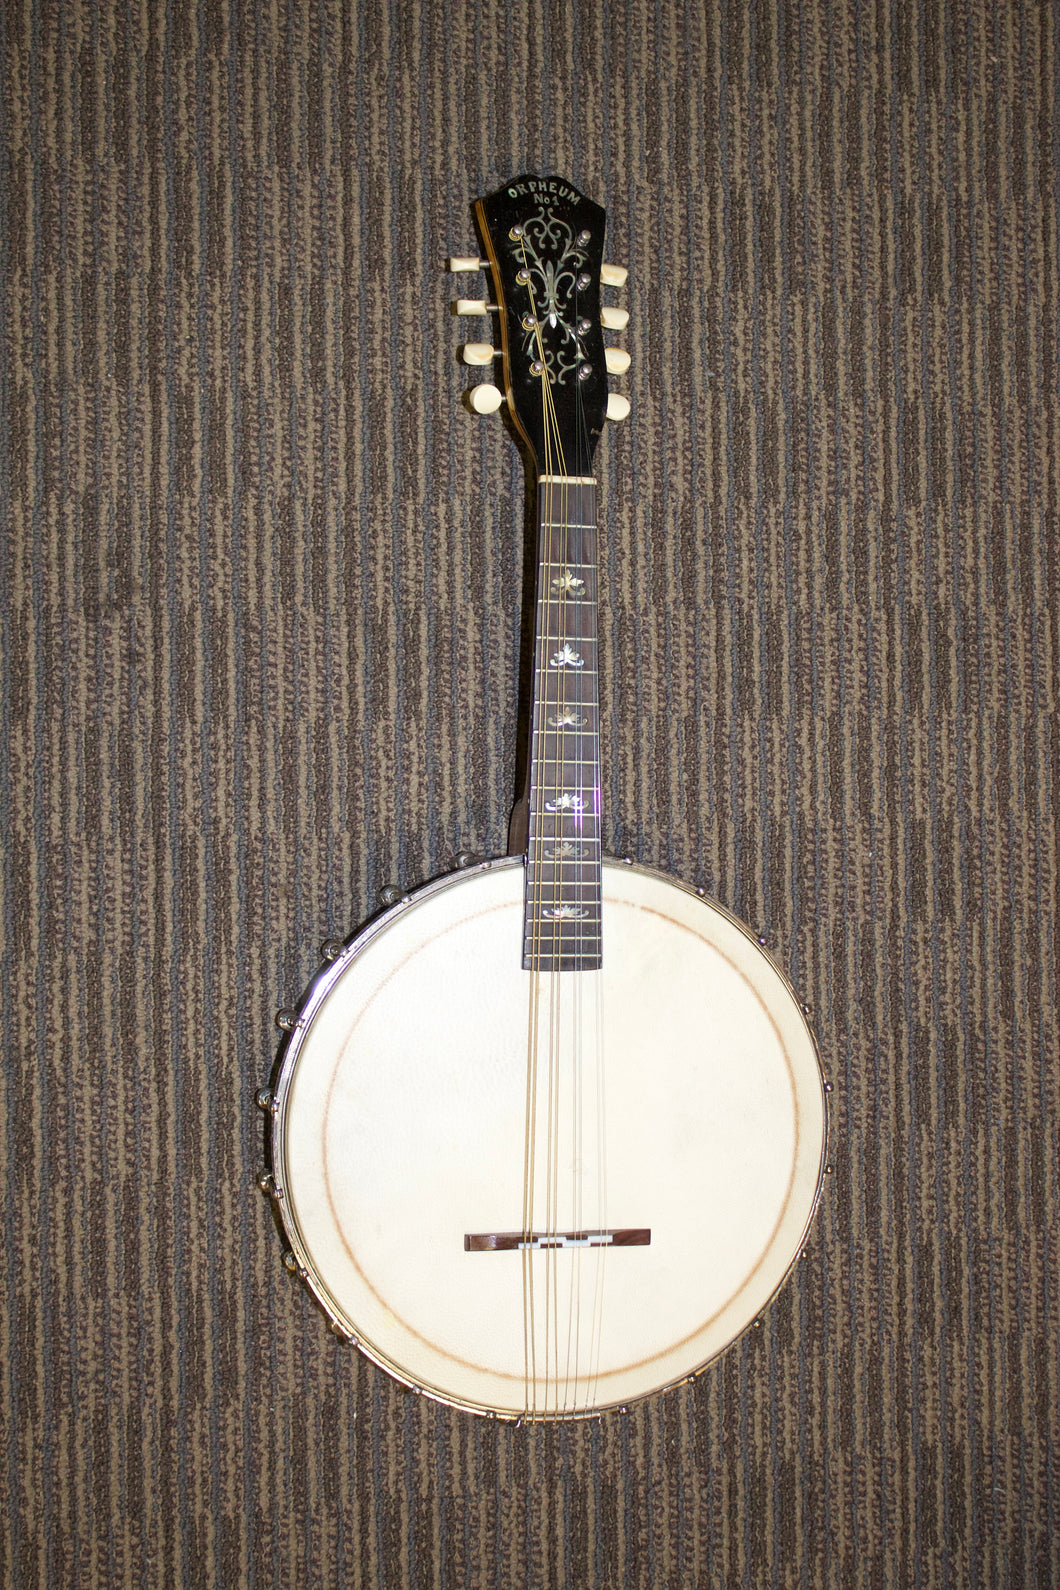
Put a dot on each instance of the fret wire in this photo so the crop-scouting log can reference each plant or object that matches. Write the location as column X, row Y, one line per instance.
column 565, row 861
column 559, row 606
column 564, row 892
column 590, row 816
column 585, row 901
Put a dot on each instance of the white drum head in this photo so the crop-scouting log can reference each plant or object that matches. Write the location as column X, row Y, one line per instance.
column 434, row 1096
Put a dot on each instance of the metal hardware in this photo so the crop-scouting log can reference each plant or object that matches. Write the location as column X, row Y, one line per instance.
column 390, row 893
column 287, row 1019
column 331, row 949
column 263, row 1099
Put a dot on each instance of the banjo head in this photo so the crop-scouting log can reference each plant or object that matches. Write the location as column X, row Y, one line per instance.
column 581, row 1189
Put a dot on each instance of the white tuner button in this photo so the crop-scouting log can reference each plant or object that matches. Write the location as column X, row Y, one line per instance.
column 461, row 262
column 472, row 306
column 616, row 360
column 613, row 275
column 480, row 353
column 485, row 399
column 611, row 319
column 617, row 406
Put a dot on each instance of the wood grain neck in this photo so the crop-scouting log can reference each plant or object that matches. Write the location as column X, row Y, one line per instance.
column 561, row 924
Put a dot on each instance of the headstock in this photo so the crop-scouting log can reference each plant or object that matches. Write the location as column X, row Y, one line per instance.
column 545, row 245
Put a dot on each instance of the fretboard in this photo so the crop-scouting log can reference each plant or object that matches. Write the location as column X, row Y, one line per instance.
column 561, row 925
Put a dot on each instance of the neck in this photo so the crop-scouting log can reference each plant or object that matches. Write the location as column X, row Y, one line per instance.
column 561, row 929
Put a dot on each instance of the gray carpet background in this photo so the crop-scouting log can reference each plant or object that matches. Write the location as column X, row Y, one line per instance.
column 261, row 586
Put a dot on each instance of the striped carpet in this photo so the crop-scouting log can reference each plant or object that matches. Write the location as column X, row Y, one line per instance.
column 262, row 578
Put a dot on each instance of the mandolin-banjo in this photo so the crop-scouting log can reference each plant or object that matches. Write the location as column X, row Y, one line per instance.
column 547, row 1134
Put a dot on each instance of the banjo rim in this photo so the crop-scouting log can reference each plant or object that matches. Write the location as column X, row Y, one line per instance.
column 274, row 1101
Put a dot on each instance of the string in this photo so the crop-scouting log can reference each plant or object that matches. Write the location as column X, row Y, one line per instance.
column 556, row 514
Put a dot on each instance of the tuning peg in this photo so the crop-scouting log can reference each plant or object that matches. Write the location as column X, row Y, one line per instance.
column 483, row 353
column 617, row 406
column 485, row 398
column 613, row 275
column 461, row 262
column 474, row 306
column 617, row 360
column 611, row 319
